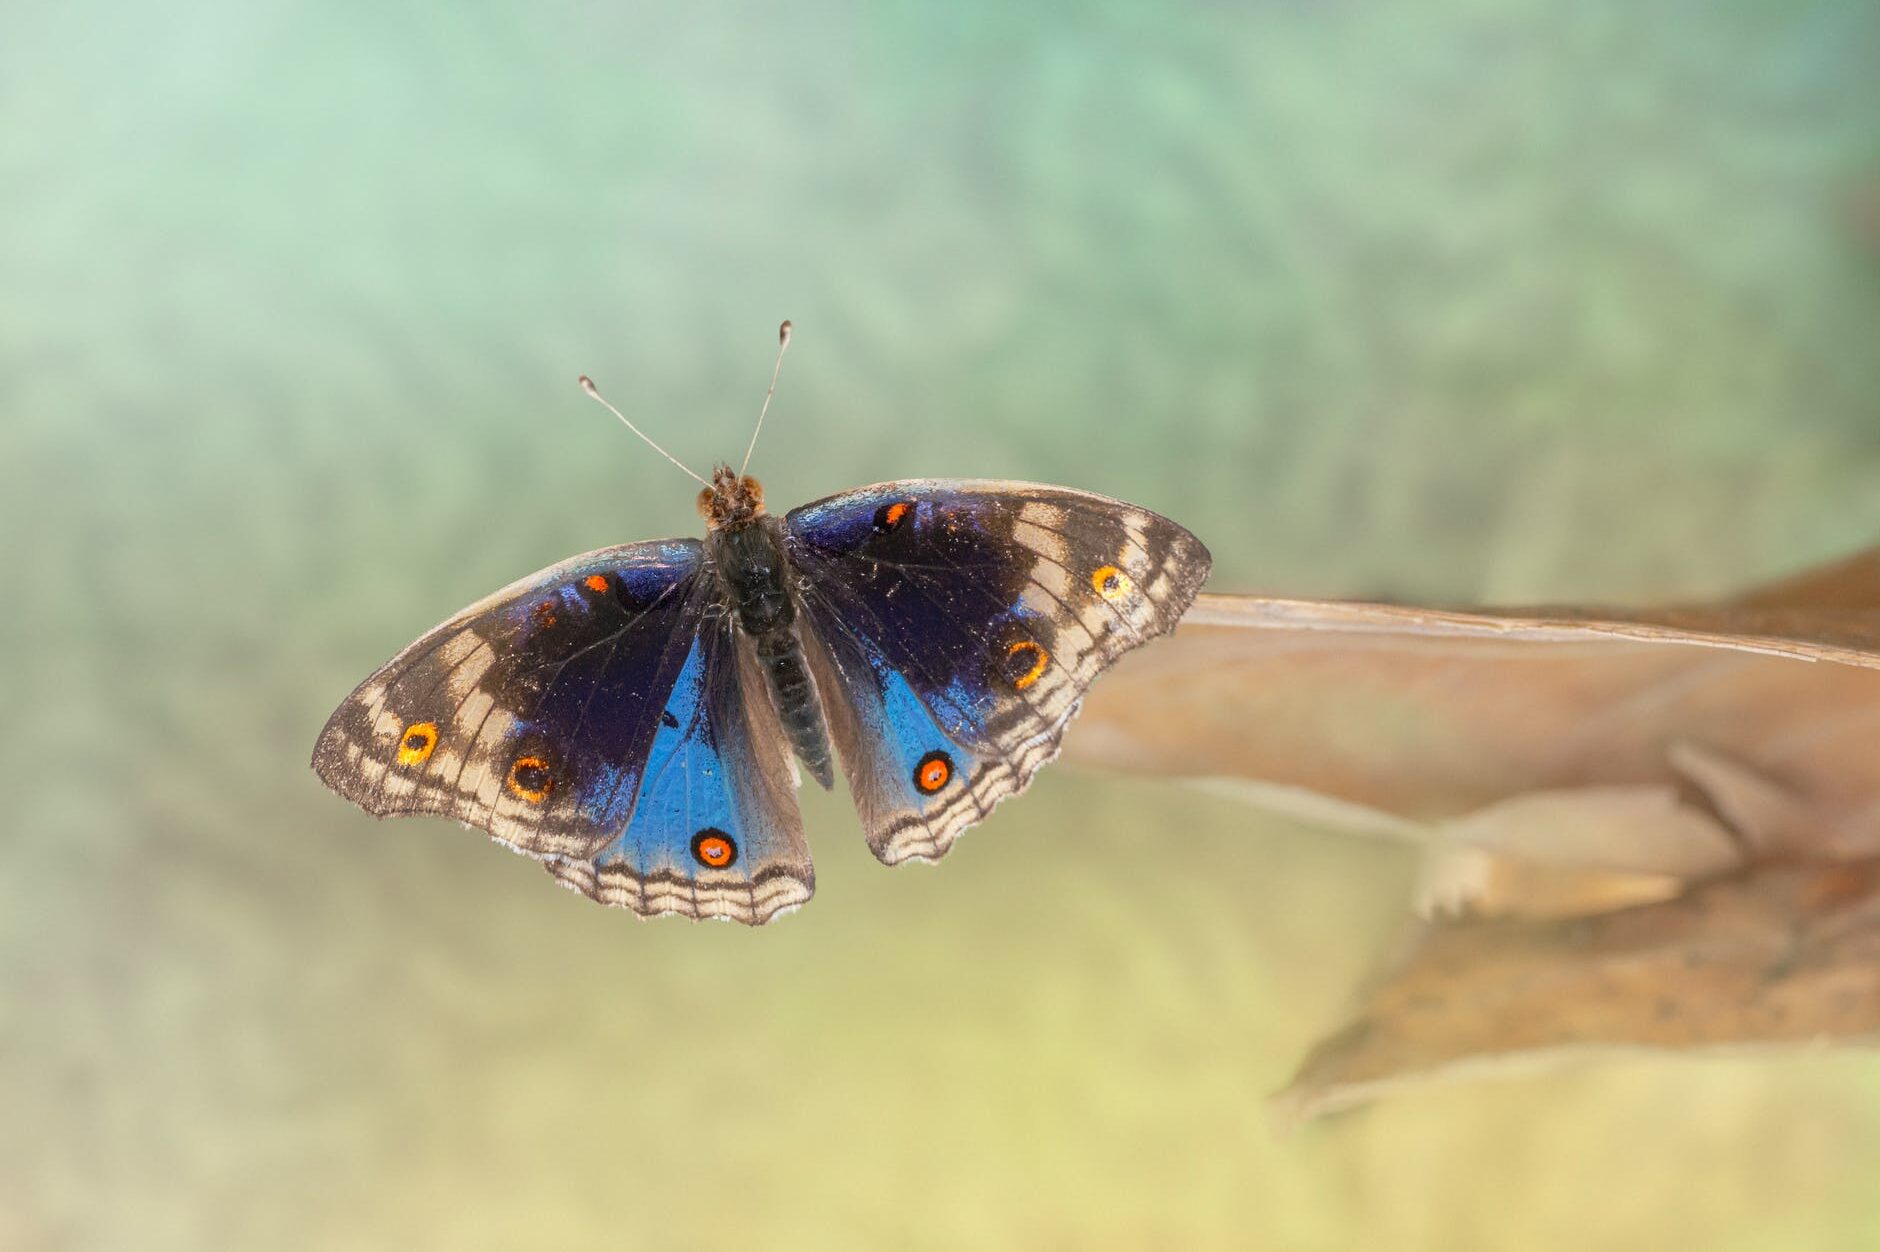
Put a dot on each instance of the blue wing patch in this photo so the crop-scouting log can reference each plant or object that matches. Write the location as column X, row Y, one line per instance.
column 712, row 828
column 919, row 753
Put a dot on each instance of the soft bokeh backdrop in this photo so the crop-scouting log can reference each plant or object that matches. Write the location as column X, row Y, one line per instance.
column 1459, row 301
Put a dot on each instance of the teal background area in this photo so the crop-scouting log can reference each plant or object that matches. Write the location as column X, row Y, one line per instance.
column 1462, row 301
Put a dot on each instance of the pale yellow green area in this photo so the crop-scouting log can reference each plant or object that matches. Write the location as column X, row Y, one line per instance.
column 1459, row 301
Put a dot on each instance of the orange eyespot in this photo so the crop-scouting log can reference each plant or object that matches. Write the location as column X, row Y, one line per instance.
column 596, row 582
column 1111, row 583
column 417, row 743
column 714, row 848
column 934, row 772
column 530, row 779
column 888, row 516
column 1025, row 663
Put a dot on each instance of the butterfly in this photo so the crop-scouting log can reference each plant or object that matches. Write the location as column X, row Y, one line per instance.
column 637, row 718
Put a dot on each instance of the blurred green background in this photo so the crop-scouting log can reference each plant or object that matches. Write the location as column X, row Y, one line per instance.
column 1461, row 301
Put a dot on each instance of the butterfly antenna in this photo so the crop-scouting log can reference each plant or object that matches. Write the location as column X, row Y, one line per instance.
column 783, row 345
column 587, row 385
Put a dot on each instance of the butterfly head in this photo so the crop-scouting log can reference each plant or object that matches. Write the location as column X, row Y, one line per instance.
column 731, row 499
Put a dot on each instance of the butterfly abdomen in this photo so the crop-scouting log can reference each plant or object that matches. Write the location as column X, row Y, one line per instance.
column 756, row 575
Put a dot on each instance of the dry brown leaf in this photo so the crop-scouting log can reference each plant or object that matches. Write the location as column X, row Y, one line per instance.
column 1748, row 724
column 1780, row 954
column 1662, row 825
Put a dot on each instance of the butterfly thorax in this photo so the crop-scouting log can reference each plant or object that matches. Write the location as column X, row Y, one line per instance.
column 754, row 573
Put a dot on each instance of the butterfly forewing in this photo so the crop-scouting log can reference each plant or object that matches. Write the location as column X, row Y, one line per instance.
column 518, row 714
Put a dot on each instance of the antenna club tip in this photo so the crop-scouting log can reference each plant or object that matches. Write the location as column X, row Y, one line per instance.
column 783, row 332
column 587, row 384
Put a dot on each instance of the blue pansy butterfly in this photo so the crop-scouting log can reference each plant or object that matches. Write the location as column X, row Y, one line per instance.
column 630, row 716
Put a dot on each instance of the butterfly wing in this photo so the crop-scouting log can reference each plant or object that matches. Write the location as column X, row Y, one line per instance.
column 715, row 830
column 540, row 713
column 960, row 623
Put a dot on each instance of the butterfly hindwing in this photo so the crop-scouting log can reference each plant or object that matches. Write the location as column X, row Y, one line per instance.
column 959, row 624
column 540, row 714
column 715, row 830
